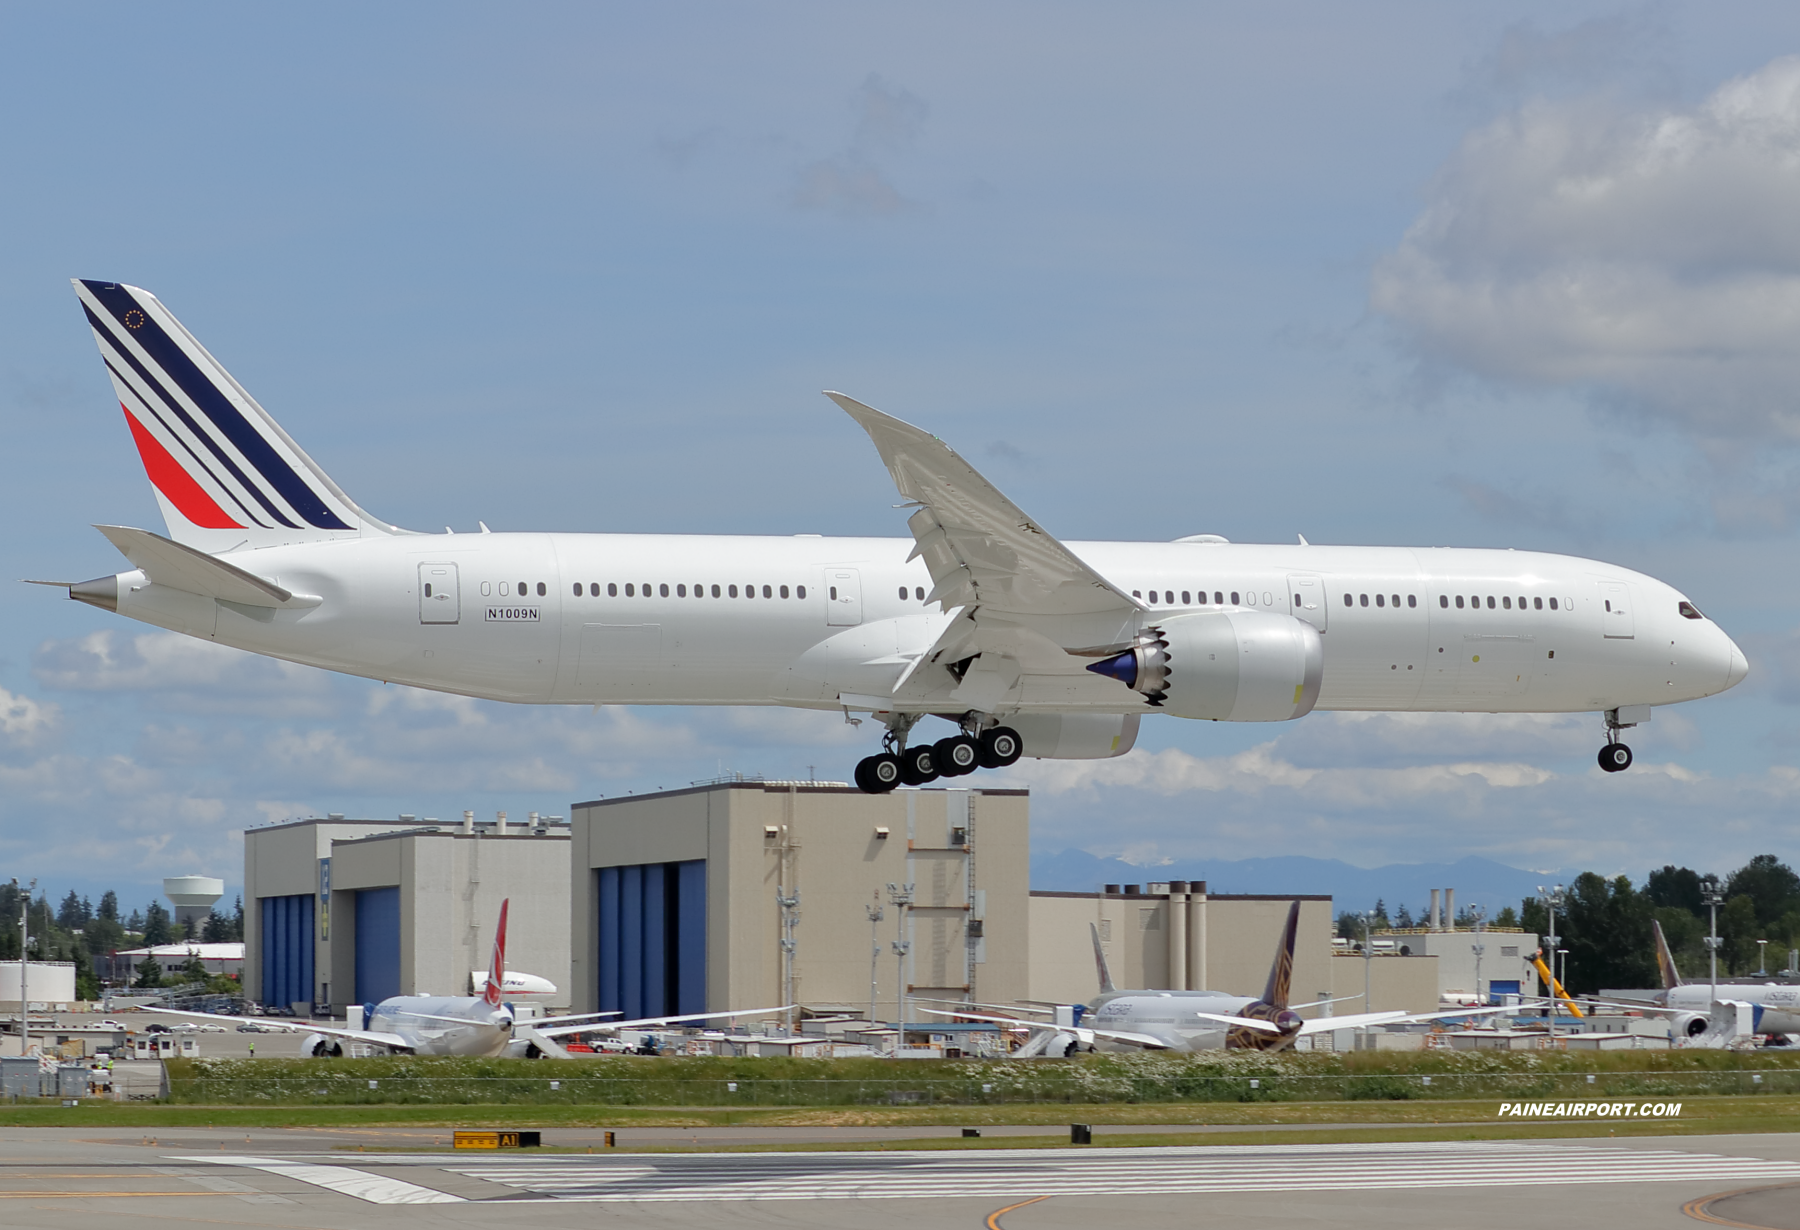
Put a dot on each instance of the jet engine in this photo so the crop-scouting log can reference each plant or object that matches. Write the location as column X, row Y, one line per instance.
column 319, row 1046
column 1688, row 1025
column 1226, row 666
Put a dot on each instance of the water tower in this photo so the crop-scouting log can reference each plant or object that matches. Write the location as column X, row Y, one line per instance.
column 193, row 898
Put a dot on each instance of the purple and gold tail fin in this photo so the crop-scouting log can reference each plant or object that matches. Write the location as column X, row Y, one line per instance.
column 225, row 473
column 1106, row 982
column 1665, row 960
column 1281, row 974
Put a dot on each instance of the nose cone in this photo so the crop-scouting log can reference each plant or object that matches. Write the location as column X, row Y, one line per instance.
column 1738, row 667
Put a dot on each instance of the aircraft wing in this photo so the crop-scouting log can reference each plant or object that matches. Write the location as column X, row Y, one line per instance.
column 1324, row 1024
column 986, row 555
column 1085, row 1033
column 375, row 1036
column 1241, row 1021
column 649, row 1022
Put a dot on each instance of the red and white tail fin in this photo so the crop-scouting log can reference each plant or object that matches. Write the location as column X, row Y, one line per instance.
column 496, row 978
column 225, row 473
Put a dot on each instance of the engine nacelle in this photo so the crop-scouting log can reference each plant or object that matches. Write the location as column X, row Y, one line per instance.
column 1076, row 736
column 1226, row 666
column 322, row 1046
column 1688, row 1025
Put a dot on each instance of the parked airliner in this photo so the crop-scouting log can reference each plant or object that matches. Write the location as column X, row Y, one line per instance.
column 1027, row 645
column 1693, row 1006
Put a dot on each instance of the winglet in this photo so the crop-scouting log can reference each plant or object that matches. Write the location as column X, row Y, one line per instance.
column 1665, row 960
column 1281, row 974
column 497, row 967
column 1106, row 982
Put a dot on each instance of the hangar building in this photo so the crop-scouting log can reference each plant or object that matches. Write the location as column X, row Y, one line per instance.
column 341, row 911
column 676, row 898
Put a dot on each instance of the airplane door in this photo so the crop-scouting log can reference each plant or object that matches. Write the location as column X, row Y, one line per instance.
column 1306, row 599
column 1615, row 611
column 440, row 599
column 843, row 597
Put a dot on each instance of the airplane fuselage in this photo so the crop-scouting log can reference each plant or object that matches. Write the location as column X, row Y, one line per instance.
column 420, row 1019
column 803, row 621
column 1780, row 1005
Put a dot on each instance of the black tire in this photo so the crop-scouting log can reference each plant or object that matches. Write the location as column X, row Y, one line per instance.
column 877, row 774
column 1000, row 746
column 1615, row 758
column 956, row 756
column 918, row 765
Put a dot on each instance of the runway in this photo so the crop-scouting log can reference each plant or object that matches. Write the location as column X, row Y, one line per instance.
column 71, row 1181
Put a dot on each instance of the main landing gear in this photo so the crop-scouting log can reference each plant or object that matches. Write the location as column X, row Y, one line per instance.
column 972, row 748
column 1615, row 757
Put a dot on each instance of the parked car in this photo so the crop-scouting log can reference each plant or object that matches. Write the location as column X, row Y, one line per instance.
column 157, row 1028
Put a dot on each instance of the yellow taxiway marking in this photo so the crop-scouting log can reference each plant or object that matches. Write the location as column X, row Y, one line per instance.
column 1697, row 1209
column 993, row 1219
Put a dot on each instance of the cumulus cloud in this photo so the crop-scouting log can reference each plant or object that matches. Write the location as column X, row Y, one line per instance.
column 22, row 717
column 181, row 671
column 851, row 183
column 1649, row 255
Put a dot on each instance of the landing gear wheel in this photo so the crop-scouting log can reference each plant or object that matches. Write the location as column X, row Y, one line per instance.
column 1000, row 746
column 956, row 755
column 1615, row 758
column 878, row 774
column 918, row 765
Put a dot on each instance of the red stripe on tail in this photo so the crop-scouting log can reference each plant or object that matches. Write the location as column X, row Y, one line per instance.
column 497, row 967
column 176, row 483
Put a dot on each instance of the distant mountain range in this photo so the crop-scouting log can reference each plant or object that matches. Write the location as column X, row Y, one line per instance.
column 1477, row 881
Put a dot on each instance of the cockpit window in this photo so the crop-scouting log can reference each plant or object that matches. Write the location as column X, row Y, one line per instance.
column 1689, row 610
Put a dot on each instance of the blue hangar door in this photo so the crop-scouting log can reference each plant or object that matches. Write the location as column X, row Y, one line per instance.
column 377, row 944
column 652, row 928
column 287, row 950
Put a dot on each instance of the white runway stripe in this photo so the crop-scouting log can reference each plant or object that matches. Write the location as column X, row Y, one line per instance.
column 373, row 1188
column 918, row 1174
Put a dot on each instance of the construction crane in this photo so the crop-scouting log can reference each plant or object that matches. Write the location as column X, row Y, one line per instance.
column 1556, row 988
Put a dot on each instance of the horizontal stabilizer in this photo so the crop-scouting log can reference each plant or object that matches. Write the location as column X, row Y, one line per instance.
column 169, row 563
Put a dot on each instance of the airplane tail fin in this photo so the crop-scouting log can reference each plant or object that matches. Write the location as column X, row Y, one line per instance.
column 1281, row 973
column 1665, row 960
column 496, row 978
column 1106, row 982
column 224, row 472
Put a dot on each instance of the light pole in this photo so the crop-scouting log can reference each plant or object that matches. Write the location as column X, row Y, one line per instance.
column 790, row 918
column 1553, row 899
column 1710, row 894
column 900, row 896
column 1478, row 916
column 1368, row 957
column 1762, row 958
column 875, row 916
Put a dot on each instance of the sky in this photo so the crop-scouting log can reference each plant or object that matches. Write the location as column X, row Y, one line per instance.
column 1490, row 274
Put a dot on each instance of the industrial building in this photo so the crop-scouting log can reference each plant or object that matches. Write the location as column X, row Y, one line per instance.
column 751, row 894
column 341, row 911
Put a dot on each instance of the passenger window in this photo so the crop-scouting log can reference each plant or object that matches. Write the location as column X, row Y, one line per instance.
column 505, row 589
column 1537, row 604
column 699, row 591
column 1490, row 602
column 578, row 589
column 1250, row 597
column 1380, row 600
column 1136, row 593
column 784, row 592
column 1396, row 600
column 1553, row 604
column 768, row 592
column 732, row 590
column 1152, row 597
column 594, row 589
column 799, row 591
column 903, row 593
column 661, row 589
column 1363, row 598
column 1234, row 597
column 681, row 591
column 1169, row 597
column 1348, row 600
column 630, row 590
column 1218, row 598
column 1412, row 600
column 1688, row 610
column 1459, row 602
column 715, row 591
column 486, row 589
column 749, row 591
column 612, row 589
column 1444, row 601
column 1185, row 600
column 1507, row 603
column 524, row 589
column 918, row 592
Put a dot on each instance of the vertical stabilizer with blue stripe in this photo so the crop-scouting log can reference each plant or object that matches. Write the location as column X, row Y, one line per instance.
column 225, row 473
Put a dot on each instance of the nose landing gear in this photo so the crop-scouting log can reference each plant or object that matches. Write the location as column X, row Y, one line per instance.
column 1615, row 757
column 994, row 747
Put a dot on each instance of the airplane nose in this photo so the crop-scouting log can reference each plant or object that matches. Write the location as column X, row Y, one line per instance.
column 1739, row 667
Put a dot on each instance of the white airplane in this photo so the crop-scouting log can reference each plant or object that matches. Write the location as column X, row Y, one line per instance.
column 484, row 1026
column 1025, row 644
column 1694, row 1008
column 1193, row 1020
column 513, row 985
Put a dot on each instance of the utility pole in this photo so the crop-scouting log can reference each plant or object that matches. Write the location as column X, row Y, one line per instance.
column 1709, row 893
column 24, row 963
column 1368, row 958
column 1553, row 899
column 900, row 896
column 790, row 918
column 875, row 917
